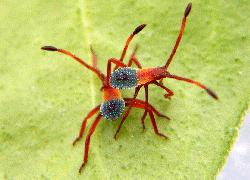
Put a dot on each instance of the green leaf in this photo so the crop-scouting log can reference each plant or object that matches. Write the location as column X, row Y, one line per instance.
column 45, row 95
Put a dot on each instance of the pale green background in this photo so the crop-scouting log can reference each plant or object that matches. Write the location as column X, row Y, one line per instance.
column 44, row 96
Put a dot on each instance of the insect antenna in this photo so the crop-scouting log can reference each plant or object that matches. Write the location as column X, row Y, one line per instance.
column 186, row 13
column 209, row 91
column 94, row 69
column 136, row 31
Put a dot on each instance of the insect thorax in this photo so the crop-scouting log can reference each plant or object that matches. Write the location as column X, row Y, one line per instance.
column 150, row 74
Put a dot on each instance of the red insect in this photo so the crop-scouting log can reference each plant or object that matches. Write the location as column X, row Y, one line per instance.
column 127, row 77
column 113, row 104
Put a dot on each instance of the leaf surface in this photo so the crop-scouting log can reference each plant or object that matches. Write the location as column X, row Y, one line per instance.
column 44, row 95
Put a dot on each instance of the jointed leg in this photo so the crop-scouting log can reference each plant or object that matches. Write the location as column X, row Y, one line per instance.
column 155, row 126
column 84, row 122
column 124, row 117
column 145, row 112
column 169, row 92
column 143, row 120
column 143, row 104
column 87, row 141
column 138, row 104
column 138, row 64
column 126, row 113
column 132, row 102
column 134, row 60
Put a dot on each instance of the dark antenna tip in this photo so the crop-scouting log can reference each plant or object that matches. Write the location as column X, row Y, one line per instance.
column 49, row 48
column 212, row 94
column 139, row 28
column 188, row 9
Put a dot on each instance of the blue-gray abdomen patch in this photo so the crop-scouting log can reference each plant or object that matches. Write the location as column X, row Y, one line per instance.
column 112, row 109
column 123, row 78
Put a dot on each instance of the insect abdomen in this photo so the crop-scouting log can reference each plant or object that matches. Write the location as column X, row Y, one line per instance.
column 123, row 78
column 112, row 109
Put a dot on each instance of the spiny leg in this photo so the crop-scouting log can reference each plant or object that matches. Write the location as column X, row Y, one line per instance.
column 87, row 141
column 169, row 92
column 84, row 122
column 186, row 13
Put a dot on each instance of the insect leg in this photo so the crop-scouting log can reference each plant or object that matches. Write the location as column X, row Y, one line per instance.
column 138, row 64
column 134, row 60
column 155, row 126
column 139, row 104
column 87, row 141
column 124, row 117
column 169, row 92
column 84, row 122
column 126, row 113
column 145, row 106
column 145, row 112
